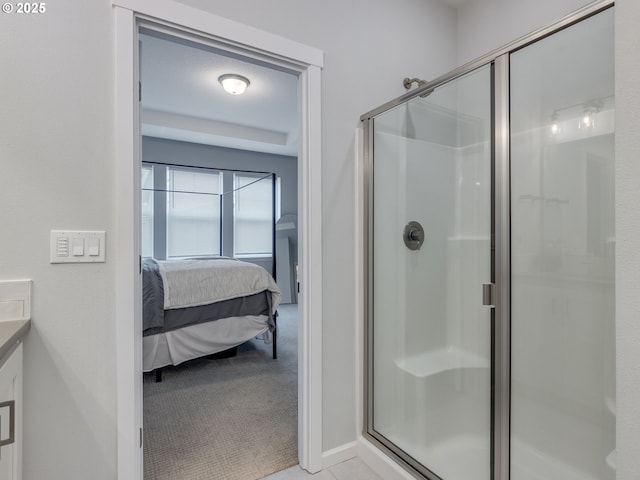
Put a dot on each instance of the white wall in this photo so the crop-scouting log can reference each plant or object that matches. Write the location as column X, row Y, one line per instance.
column 369, row 46
column 485, row 25
column 57, row 159
column 57, row 171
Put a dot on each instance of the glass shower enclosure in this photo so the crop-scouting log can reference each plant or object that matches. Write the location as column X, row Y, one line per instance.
column 489, row 264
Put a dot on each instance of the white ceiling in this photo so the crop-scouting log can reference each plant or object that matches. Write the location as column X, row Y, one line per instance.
column 183, row 100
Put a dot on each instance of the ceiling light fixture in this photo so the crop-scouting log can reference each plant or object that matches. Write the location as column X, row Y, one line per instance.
column 234, row 84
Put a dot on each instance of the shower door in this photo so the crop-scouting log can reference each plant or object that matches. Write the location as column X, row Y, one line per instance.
column 430, row 230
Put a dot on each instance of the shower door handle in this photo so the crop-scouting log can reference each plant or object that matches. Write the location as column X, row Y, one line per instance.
column 488, row 295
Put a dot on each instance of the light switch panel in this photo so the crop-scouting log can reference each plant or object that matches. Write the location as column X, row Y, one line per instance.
column 77, row 246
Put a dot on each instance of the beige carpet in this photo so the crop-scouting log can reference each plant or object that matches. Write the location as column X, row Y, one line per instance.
column 229, row 419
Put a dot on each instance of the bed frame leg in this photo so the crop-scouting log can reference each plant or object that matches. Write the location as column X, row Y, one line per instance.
column 158, row 375
column 275, row 336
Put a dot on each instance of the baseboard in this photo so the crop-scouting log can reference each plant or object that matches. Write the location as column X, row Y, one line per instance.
column 380, row 463
column 339, row 454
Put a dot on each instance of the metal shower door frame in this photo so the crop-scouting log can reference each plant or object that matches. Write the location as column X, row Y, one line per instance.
column 500, row 245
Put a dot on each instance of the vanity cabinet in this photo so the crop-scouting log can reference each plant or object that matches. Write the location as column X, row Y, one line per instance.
column 11, row 415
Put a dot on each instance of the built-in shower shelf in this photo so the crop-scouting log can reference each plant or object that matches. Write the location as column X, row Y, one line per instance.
column 434, row 362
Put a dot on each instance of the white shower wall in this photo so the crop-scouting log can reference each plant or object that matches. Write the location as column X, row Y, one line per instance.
column 435, row 184
column 430, row 321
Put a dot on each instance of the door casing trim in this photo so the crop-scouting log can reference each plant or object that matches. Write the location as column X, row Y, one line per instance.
column 272, row 49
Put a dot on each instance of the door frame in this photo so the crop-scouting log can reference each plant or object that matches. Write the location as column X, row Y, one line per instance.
column 278, row 52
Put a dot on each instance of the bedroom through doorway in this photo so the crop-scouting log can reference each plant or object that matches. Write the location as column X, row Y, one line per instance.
column 219, row 187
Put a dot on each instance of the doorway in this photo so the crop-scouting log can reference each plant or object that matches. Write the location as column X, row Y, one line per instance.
column 219, row 181
column 279, row 53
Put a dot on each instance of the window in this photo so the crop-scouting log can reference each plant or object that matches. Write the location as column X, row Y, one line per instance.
column 193, row 212
column 252, row 215
column 201, row 212
column 146, row 201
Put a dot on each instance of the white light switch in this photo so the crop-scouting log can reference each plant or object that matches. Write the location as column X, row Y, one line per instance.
column 93, row 246
column 78, row 246
column 70, row 246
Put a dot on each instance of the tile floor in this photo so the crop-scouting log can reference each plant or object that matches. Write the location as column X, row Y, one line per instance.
column 353, row 469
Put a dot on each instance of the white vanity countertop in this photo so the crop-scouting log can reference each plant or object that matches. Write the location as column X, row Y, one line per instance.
column 11, row 332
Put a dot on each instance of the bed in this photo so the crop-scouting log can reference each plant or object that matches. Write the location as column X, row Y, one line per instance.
column 198, row 307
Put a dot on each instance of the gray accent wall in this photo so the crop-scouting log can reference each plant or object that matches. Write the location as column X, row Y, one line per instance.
column 172, row 152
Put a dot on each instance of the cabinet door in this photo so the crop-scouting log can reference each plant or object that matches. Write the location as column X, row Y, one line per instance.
column 11, row 390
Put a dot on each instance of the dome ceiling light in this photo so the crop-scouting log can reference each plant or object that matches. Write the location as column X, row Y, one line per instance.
column 234, row 84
